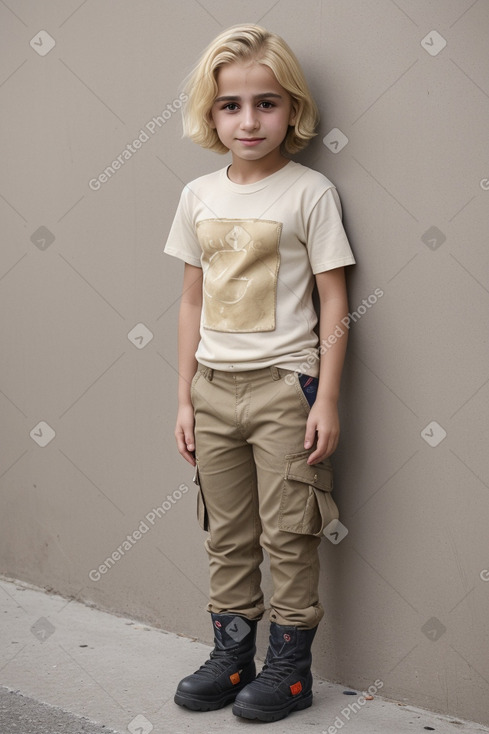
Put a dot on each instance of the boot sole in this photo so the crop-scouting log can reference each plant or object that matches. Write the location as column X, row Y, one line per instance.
column 200, row 704
column 218, row 700
column 271, row 714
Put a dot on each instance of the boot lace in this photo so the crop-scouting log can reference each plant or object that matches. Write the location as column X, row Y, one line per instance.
column 218, row 663
column 275, row 671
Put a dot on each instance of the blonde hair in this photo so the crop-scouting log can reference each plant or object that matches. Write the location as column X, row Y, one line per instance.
column 243, row 43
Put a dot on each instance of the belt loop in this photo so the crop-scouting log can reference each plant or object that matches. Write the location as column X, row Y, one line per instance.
column 210, row 373
column 275, row 373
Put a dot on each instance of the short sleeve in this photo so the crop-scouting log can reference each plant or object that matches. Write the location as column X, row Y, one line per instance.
column 182, row 240
column 327, row 243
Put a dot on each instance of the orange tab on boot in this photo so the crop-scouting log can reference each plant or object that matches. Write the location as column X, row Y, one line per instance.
column 234, row 678
column 296, row 688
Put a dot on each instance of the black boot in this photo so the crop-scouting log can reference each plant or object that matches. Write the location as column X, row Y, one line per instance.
column 230, row 668
column 285, row 683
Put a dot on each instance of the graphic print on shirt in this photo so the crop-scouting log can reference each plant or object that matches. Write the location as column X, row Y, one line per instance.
column 240, row 266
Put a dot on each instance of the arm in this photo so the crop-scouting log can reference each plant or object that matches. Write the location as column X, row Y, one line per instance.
column 323, row 421
column 188, row 339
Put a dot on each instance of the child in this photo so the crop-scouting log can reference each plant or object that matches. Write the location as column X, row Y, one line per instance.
column 253, row 417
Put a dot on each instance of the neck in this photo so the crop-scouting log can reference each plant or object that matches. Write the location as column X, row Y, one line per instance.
column 245, row 172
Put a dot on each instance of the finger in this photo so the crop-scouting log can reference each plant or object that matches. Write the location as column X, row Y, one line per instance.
column 190, row 441
column 189, row 457
column 310, row 435
column 330, row 448
column 321, row 450
column 185, row 447
column 315, row 457
column 189, row 453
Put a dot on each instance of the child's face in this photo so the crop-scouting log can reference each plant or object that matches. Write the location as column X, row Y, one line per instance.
column 252, row 111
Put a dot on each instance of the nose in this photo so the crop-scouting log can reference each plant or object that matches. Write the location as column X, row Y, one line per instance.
column 249, row 119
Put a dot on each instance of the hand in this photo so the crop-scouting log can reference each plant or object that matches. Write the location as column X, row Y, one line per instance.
column 184, row 433
column 323, row 424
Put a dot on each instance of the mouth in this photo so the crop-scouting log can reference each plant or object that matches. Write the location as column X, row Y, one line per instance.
column 250, row 141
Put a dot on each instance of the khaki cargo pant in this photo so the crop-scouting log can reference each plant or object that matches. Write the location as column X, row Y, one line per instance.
column 256, row 491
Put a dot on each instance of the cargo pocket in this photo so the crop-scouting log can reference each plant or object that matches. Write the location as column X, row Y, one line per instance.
column 202, row 516
column 307, row 505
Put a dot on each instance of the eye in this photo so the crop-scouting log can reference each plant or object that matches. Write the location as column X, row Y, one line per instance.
column 267, row 105
column 231, row 106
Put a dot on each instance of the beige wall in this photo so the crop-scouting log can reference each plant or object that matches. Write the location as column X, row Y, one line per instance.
column 414, row 180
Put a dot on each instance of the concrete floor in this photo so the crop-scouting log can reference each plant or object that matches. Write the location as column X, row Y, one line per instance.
column 69, row 668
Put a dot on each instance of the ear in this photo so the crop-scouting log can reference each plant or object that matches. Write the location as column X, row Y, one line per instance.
column 293, row 114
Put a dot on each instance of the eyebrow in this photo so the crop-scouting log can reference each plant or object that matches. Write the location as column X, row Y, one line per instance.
column 236, row 98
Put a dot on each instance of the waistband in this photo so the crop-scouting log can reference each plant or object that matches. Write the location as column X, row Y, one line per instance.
column 276, row 373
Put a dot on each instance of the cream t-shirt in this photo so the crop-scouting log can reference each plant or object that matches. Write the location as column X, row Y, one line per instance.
column 259, row 246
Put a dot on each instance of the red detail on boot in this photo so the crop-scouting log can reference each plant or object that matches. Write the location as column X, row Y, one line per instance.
column 217, row 623
column 296, row 688
column 234, row 678
column 287, row 637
